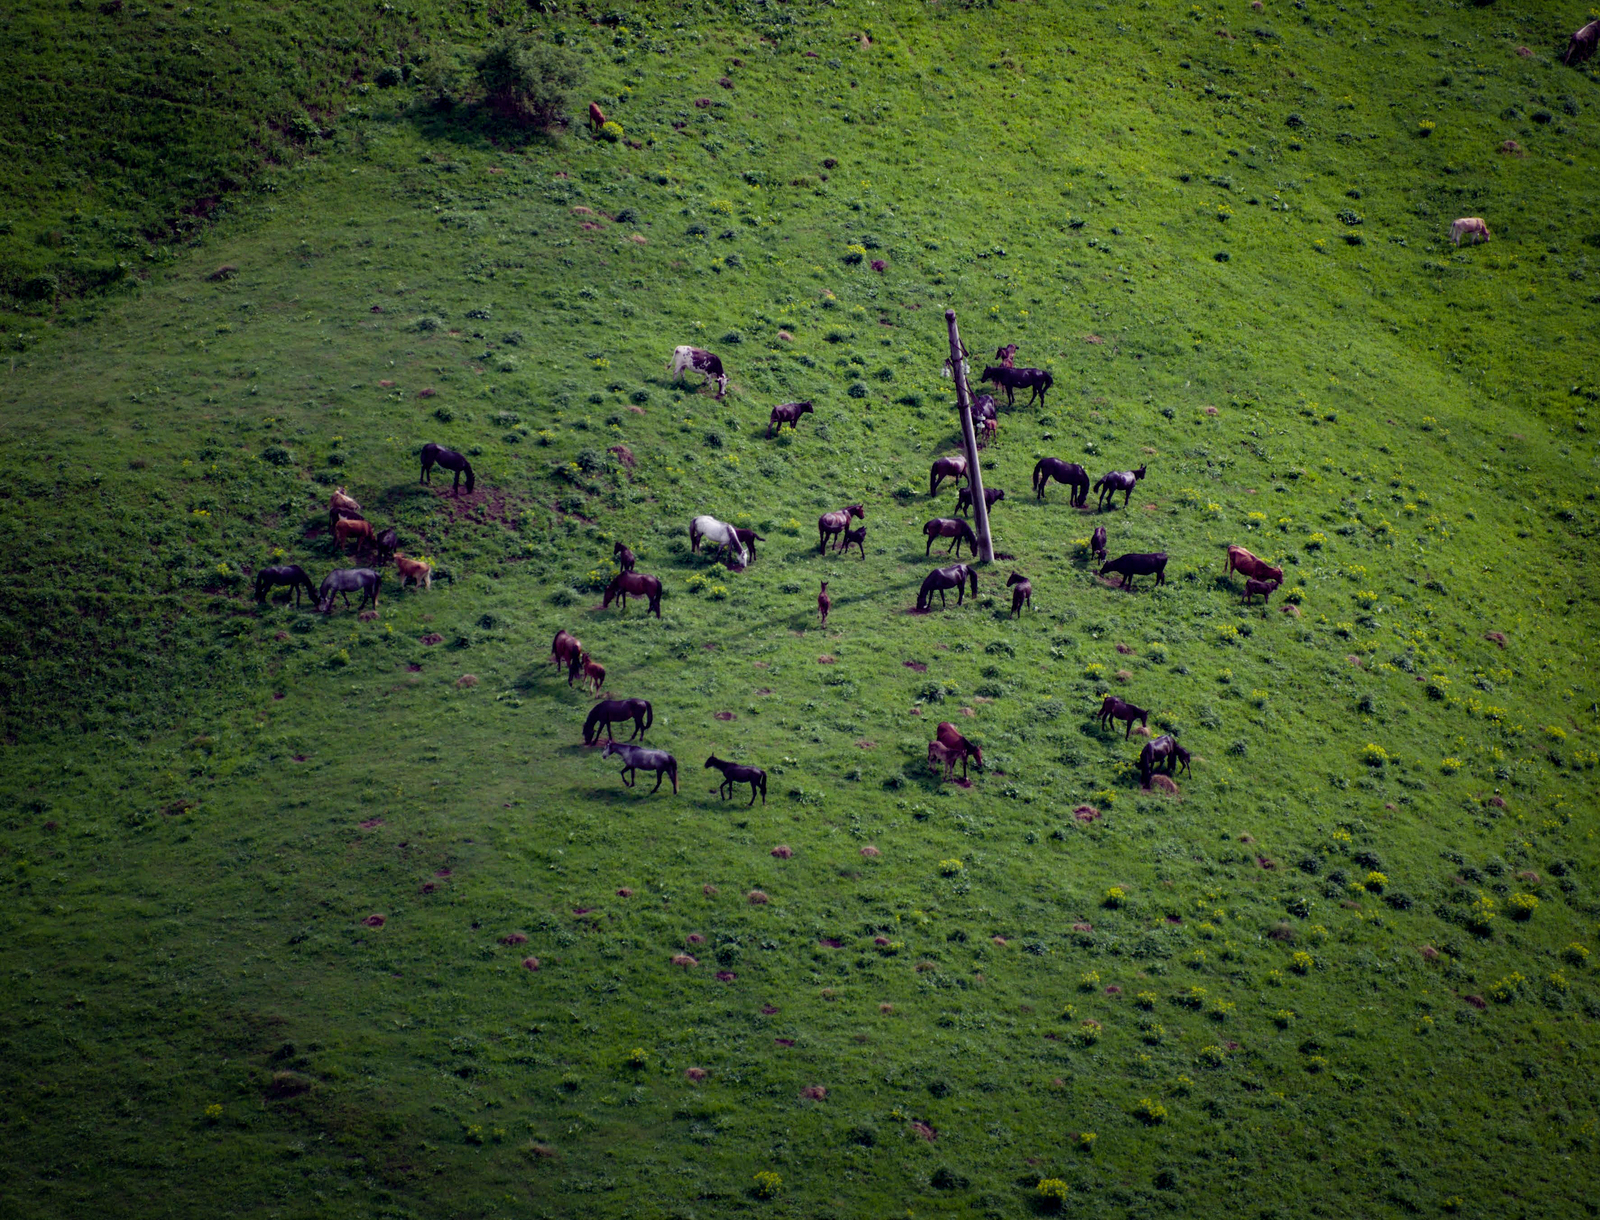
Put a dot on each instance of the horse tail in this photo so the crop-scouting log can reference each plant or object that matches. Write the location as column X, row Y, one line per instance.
column 932, row 474
column 649, row 714
column 472, row 479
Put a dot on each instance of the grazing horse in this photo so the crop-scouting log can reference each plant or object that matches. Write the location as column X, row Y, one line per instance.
column 342, row 580
column 1007, row 356
column 941, row 755
column 950, row 527
column 593, row 674
column 685, row 358
column 854, row 538
column 1021, row 591
column 1581, row 46
column 1133, row 564
column 964, row 498
column 737, row 773
column 1115, row 709
column 614, row 711
column 347, row 528
column 291, row 574
column 638, row 584
column 413, row 569
column 341, row 505
column 788, row 413
column 824, row 604
column 1013, row 379
column 1113, row 481
column 1161, row 750
column 937, row 581
column 637, row 758
column 1070, row 473
column 1241, row 560
column 1264, row 587
column 946, row 468
column 951, row 739
column 433, row 454
column 748, row 538
column 566, row 649
column 1470, row 227
column 1097, row 543
column 387, row 543
column 830, row 524
column 623, row 556
column 716, row 531
column 597, row 117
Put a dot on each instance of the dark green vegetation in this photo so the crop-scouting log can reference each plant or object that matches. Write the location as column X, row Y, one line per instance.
column 1345, row 972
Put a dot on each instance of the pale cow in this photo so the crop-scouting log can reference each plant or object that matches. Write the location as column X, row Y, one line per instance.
column 1470, row 227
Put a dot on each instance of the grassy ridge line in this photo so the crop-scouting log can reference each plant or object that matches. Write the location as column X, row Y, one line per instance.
column 277, row 863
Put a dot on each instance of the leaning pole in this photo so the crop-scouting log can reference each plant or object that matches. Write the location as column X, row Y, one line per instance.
column 969, row 437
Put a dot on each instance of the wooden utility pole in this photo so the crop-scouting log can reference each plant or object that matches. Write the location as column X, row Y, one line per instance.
column 969, row 437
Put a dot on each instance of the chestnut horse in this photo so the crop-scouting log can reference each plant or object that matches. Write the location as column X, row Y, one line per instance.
column 638, row 584
column 830, row 524
column 946, row 468
column 951, row 739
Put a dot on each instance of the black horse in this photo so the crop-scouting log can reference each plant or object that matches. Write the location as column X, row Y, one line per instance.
column 748, row 538
column 1070, row 473
column 950, row 527
column 291, row 574
column 387, row 543
column 1012, row 380
column 451, row 460
column 1134, row 564
column 937, row 581
column 1113, row 481
column 344, row 580
column 736, row 773
column 991, row 495
column 609, row 711
column 1161, row 750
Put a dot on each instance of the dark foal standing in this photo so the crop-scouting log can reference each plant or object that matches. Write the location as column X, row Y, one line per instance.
column 1070, row 473
column 830, row 524
column 433, row 455
column 748, row 539
column 854, row 538
column 291, row 574
column 937, row 581
column 788, row 413
column 614, row 711
column 1161, row 750
column 991, row 496
column 1097, row 544
column 1133, row 564
column 1014, row 379
column 736, row 773
column 623, row 556
column 950, row 527
column 1113, row 481
column 1021, row 591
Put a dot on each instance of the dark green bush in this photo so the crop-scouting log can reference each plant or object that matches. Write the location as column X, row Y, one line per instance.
column 525, row 83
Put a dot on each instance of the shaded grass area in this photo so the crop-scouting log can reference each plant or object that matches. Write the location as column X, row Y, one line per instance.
column 1304, row 979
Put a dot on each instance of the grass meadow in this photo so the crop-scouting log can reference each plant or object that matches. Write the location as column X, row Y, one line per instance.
column 312, row 916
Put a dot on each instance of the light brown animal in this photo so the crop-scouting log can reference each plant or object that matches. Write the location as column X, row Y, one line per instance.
column 824, row 604
column 341, row 505
column 940, row 754
column 950, row 737
column 988, row 432
column 1241, row 560
column 566, row 649
column 597, row 117
column 1264, row 587
column 347, row 528
column 413, row 569
column 1471, row 227
column 594, row 673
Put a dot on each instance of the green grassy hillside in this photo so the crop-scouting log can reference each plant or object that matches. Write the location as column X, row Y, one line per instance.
column 275, row 880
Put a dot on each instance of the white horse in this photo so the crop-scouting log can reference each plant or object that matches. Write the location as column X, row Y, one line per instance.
column 716, row 531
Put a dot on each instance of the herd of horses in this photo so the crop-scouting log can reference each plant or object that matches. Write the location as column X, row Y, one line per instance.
column 736, row 545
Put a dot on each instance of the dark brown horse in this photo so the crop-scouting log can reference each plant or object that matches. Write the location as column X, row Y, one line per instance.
column 614, row 711
column 937, row 581
column 946, row 468
column 433, row 454
column 788, row 413
column 950, row 527
column 1021, row 591
column 1070, row 473
column 830, row 524
column 639, row 585
column 1161, row 750
column 737, row 773
column 991, row 496
column 623, row 556
column 1097, row 544
column 291, row 574
column 854, row 538
column 566, row 649
column 1115, row 709
column 1135, row 564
